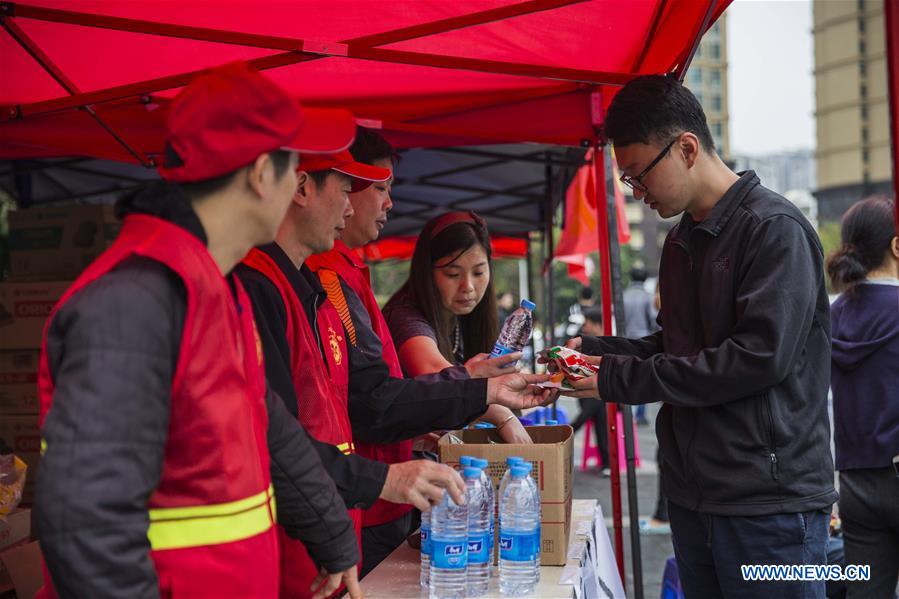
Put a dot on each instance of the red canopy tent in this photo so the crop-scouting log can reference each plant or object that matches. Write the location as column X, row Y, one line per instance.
column 96, row 81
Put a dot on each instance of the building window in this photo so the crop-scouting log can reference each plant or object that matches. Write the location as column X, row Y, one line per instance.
column 863, row 68
column 699, row 98
column 863, row 90
column 715, row 51
column 864, row 112
column 694, row 77
column 861, row 5
column 716, row 103
column 864, row 135
column 718, row 131
column 866, row 158
column 862, row 48
column 861, row 25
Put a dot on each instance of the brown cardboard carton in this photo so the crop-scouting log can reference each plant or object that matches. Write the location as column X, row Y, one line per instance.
column 24, row 566
column 15, row 531
column 18, row 382
column 23, row 434
column 58, row 242
column 551, row 454
column 24, row 307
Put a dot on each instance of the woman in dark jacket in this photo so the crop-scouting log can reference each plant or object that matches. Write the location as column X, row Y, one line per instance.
column 865, row 382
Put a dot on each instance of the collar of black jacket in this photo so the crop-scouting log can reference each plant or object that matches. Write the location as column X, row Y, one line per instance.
column 166, row 201
column 721, row 214
column 305, row 284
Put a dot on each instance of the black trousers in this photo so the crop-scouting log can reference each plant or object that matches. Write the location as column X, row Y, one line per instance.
column 869, row 509
column 595, row 410
column 379, row 541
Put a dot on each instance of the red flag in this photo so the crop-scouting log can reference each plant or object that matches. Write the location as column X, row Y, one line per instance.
column 580, row 237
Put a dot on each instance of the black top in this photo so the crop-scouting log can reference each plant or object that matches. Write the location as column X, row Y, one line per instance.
column 742, row 361
column 113, row 350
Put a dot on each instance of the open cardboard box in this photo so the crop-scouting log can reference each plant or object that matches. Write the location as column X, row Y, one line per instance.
column 551, row 454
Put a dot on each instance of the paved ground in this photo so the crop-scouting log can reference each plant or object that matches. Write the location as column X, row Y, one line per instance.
column 589, row 485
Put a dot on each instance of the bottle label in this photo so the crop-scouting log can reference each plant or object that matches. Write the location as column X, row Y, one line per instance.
column 500, row 350
column 478, row 548
column 425, row 541
column 449, row 555
column 519, row 546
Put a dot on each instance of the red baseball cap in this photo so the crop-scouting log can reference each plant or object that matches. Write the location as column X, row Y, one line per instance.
column 362, row 174
column 227, row 116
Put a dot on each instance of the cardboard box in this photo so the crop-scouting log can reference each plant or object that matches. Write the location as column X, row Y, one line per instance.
column 18, row 382
column 58, row 242
column 551, row 454
column 14, row 532
column 23, row 434
column 24, row 307
column 23, row 564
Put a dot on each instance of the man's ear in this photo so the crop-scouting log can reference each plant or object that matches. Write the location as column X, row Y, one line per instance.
column 689, row 147
column 304, row 188
column 257, row 172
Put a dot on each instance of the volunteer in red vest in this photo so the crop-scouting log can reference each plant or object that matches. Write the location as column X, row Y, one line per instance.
column 164, row 450
column 345, row 278
column 339, row 394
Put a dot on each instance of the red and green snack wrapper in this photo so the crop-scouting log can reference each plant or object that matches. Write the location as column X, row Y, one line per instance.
column 566, row 366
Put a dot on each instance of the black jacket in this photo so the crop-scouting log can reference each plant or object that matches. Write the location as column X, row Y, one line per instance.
column 382, row 409
column 742, row 362
column 113, row 349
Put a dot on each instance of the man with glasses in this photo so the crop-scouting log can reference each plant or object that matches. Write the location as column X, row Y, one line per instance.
column 742, row 361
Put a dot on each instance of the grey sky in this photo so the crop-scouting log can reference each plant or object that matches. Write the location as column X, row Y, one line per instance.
column 771, row 85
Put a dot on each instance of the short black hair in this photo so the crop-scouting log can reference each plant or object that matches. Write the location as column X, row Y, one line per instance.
column 586, row 293
column 593, row 314
column 201, row 189
column 371, row 146
column 656, row 109
column 321, row 176
column 638, row 274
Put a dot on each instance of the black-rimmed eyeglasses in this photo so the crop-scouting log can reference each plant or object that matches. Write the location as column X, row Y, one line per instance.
column 636, row 182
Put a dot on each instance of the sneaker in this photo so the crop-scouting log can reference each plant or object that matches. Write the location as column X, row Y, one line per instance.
column 605, row 473
column 654, row 527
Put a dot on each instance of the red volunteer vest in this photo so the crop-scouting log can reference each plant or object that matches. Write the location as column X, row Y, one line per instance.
column 346, row 264
column 212, row 516
column 321, row 390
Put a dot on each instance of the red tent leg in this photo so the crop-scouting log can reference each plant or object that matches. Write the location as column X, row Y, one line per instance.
column 605, row 267
column 891, row 20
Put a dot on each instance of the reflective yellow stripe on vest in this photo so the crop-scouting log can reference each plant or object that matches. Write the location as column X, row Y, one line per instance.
column 199, row 525
column 347, row 448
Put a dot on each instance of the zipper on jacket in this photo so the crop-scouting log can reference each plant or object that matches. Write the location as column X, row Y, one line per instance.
column 318, row 338
column 772, row 442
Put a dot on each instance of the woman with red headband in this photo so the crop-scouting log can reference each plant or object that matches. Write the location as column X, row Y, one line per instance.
column 445, row 313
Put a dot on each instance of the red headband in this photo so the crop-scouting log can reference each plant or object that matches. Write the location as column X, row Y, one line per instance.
column 451, row 218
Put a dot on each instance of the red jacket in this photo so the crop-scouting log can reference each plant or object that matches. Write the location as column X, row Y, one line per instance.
column 346, row 265
column 321, row 390
column 212, row 515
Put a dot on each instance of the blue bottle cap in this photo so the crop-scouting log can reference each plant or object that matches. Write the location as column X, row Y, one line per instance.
column 528, row 465
column 513, row 460
column 480, row 463
column 519, row 471
column 465, row 460
column 471, row 472
column 528, row 305
column 551, row 422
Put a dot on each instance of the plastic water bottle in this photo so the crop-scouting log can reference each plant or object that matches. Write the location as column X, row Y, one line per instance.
column 479, row 517
column 516, row 330
column 551, row 423
column 491, row 500
column 519, row 543
column 464, row 462
column 511, row 461
column 449, row 549
column 425, row 576
column 536, row 490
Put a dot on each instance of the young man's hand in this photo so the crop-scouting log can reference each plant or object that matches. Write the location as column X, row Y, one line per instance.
column 326, row 583
column 587, row 387
column 422, row 483
column 518, row 391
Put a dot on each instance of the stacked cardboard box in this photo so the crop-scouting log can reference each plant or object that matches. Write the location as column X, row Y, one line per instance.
column 551, row 454
column 49, row 247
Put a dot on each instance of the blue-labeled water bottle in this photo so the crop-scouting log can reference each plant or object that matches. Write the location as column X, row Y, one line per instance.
column 533, row 483
column 479, row 517
column 519, row 542
column 516, row 331
column 511, row 461
column 449, row 549
column 425, row 575
column 551, row 423
column 491, row 498
column 464, row 462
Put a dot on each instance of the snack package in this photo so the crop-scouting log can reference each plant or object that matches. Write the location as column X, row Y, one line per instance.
column 12, row 481
column 566, row 366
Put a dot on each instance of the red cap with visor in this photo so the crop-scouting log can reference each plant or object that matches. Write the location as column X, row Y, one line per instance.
column 363, row 175
column 226, row 117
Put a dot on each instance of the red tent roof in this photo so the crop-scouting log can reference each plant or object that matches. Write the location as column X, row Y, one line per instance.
column 430, row 73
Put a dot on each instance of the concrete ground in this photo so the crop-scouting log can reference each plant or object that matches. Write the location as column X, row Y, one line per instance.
column 590, row 485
